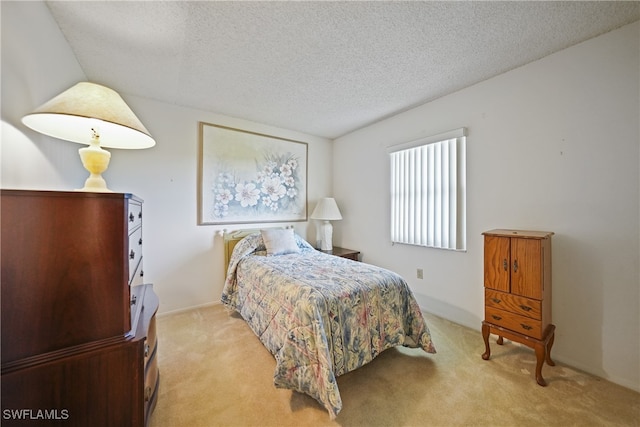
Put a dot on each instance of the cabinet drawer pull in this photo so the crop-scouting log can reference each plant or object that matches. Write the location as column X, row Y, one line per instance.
column 496, row 317
column 140, row 241
column 134, row 299
column 132, row 254
column 505, row 265
column 146, row 350
column 525, row 308
column 515, row 266
column 496, row 300
column 526, row 327
column 147, row 393
column 131, row 217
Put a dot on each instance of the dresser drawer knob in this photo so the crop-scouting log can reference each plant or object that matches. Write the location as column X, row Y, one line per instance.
column 147, row 393
column 525, row 308
column 131, row 217
column 140, row 241
column 526, row 327
column 495, row 300
column 146, row 350
column 140, row 215
column 496, row 317
column 132, row 254
column 134, row 299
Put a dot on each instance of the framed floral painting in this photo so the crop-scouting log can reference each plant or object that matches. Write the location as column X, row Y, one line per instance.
column 248, row 177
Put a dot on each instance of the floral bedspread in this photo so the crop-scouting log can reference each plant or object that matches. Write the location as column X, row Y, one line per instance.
column 320, row 315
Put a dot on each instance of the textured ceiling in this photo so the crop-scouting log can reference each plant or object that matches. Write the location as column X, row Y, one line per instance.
column 323, row 68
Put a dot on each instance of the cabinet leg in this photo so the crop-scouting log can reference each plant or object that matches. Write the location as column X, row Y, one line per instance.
column 541, row 351
column 500, row 340
column 548, row 353
column 485, row 336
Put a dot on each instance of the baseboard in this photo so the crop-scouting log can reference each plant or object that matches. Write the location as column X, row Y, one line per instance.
column 190, row 308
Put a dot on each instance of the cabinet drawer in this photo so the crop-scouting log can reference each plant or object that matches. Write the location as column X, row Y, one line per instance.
column 135, row 278
column 151, row 375
column 151, row 341
column 514, row 322
column 135, row 251
column 134, row 217
column 515, row 304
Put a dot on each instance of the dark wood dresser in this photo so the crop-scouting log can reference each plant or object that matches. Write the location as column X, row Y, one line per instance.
column 78, row 324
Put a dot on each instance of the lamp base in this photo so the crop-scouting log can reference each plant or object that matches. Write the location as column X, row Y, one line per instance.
column 95, row 159
column 326, row 236
column 95, row 184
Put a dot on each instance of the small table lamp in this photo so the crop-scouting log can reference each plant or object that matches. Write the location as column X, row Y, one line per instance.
column 326, row 210
column 91, row 114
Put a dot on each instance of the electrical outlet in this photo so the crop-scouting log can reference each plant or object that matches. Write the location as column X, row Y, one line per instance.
column 420, row 273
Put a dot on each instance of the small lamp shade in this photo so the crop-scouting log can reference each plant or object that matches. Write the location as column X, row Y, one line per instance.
column 91, row 114
column 326, row 210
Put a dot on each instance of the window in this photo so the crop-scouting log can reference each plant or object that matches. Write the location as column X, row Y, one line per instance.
column 428, row 191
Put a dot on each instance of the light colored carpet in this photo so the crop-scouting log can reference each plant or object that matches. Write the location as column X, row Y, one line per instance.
column 215, row 372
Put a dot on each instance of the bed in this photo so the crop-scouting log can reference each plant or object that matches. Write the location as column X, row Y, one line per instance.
column 320, row 315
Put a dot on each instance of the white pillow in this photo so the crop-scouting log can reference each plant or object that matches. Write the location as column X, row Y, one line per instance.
column 279, row 241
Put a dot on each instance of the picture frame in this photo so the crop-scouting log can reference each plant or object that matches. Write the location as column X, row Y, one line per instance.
column 247, row 177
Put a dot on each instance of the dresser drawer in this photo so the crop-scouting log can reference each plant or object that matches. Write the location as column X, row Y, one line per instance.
column 514, row 322
column 136, row 278
column 135, row 252
column 515, row 304
column 151, row 341
column 151, row 376
column 134, row 217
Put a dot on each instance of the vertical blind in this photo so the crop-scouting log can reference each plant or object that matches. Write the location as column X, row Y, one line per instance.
column 428, row 191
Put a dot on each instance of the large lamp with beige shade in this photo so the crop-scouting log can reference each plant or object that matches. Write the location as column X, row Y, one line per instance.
column 92, row 114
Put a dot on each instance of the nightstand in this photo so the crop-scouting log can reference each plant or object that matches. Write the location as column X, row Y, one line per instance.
column 344, row 253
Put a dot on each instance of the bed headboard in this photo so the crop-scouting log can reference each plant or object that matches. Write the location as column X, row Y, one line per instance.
column 231, row 238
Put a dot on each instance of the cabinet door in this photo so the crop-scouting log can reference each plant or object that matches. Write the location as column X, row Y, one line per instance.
column 526, row 268
column 497, row 259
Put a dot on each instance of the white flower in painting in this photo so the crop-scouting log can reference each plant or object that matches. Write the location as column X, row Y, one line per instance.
column 289, row 181
column 247, row 194
column 224, row 196
column 273, row 188
column 292, row 193
column 292, row 163
column 286, row 169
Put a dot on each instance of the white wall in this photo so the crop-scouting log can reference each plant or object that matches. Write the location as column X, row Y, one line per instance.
column 553, row 145
column 184, row 261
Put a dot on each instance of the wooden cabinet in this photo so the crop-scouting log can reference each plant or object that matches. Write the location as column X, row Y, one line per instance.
column 75, row 318
column 344, row 253
column 517, row 286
